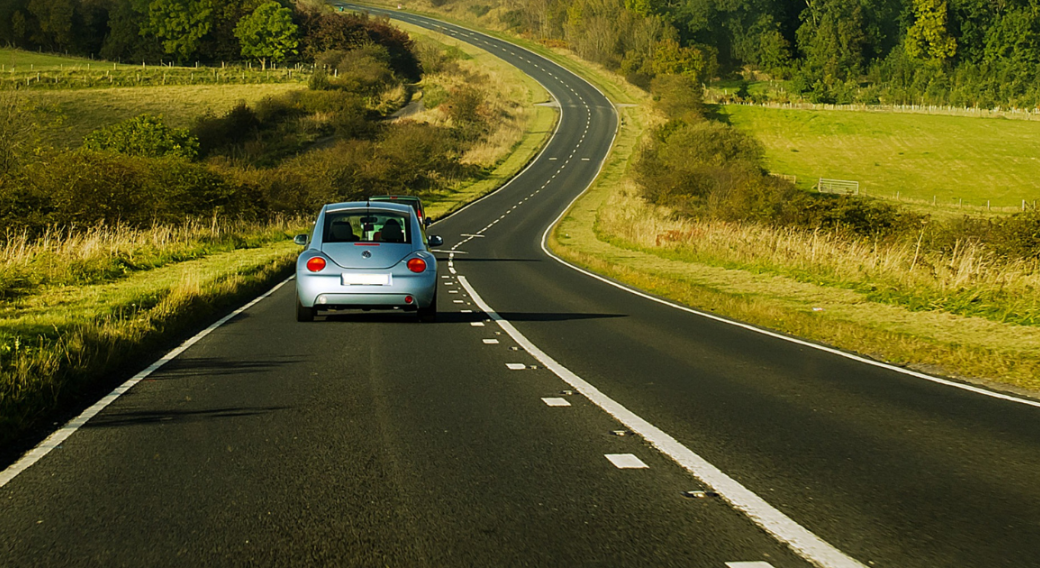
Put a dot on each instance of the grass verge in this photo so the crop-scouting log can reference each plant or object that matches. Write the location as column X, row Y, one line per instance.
column 999, row 355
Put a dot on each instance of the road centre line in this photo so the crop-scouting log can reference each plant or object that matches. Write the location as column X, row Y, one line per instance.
column 782, row 527
column 57, row 438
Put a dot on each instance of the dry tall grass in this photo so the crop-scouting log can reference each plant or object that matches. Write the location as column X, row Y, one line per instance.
column 71, row 256
column 970, row 280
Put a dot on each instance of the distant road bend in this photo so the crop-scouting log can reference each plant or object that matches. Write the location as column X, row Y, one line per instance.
column 549, row 419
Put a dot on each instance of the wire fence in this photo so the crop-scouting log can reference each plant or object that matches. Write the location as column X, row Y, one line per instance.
column 93, row 75
column 996, row 112
column 976, row 205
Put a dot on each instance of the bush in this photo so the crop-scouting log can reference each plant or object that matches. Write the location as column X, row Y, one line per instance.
column 678, row 97
column 689, row 165
column 145, row 135
column 466, row 106
column 219, row 133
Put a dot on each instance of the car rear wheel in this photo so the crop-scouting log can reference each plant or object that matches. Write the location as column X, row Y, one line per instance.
column 429, row 314
column 304, row 313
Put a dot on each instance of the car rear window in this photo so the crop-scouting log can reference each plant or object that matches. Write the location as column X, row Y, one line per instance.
column 366, row 227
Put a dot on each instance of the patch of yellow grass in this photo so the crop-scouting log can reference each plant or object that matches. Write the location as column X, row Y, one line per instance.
column 900, row 269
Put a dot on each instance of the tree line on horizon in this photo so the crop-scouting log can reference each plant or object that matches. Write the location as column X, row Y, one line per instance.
column 946, row 52
column 207, row 31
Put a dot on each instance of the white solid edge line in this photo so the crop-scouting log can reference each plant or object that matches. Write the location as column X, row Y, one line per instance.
column 783, row 528
column 62, row 434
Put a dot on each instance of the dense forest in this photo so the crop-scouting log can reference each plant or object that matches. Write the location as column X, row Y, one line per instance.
column 206, row 31
column 955, row 52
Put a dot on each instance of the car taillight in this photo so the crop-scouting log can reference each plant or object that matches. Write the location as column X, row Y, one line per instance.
column 316, row 264
column 417, row 265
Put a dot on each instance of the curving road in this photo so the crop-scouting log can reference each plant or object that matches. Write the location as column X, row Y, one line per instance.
column 483, row 440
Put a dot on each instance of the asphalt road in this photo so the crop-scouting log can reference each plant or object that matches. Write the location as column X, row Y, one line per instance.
column 368, row 439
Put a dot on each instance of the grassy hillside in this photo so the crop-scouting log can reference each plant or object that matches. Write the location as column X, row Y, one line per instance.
column 919, row 156
column 16, row 58
column 82, row 111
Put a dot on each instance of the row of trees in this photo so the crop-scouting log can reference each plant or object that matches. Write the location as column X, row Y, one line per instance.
column 936, row 51
column 196, row 30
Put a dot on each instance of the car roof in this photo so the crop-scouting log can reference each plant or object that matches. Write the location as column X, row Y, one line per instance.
column 384, row 205
column 410, row 198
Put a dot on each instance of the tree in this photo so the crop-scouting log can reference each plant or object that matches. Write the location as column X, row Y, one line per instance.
column 928, row 37
column 268, row 33
column 180, row 24
column 55, row 19
column 832, row 38
column 670, row 58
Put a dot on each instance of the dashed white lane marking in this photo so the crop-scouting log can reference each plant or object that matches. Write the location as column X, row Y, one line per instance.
column 476, row 323
column 453, row 291
column 748, row 565
column 556, row 401
column 626, row 461
column 783, row 528
column 458, row 302
column 516, row 366
column 56, row 439
column 490, row 342
column 465, row 311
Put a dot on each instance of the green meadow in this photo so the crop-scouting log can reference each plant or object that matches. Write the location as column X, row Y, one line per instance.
column 919, row 157
column 18, row 58
column 81, row 111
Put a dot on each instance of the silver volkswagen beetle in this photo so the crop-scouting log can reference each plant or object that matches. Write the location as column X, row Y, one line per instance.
column 367, row 255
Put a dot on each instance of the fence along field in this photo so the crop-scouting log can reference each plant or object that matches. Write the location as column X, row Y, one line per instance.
column 956, row 162
column 22, row 70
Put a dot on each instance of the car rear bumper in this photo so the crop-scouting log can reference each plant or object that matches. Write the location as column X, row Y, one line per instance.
column 327, row 292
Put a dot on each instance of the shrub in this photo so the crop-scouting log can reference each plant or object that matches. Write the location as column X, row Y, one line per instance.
column 217, row 133
column 689, row 165
column 678, row 96
column 466, row 106
column 145, row 135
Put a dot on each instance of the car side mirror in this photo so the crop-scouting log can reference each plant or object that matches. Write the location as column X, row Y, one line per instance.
column 300, row 240
column 435, row 241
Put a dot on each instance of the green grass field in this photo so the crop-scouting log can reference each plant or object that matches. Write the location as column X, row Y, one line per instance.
column 918, row 156
column 84, row 110
column 18, row 58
